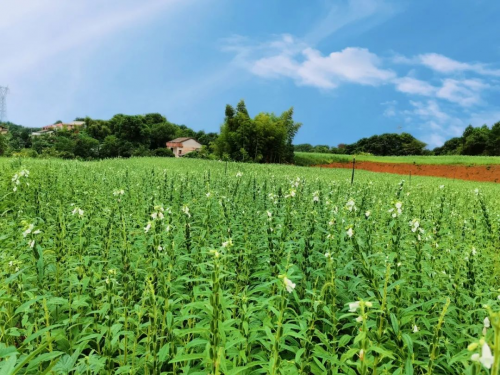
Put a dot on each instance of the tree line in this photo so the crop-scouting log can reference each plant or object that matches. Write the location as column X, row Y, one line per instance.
column 121, row 136
column 265, row 138
column 481, row 141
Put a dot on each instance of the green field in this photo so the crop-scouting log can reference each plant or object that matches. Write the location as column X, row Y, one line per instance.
column 166, row 266
column 311, row 158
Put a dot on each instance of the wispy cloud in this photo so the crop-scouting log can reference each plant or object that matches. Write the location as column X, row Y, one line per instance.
column 445, row 65
column 344, row 13
column 39, row 30
column 465, row 92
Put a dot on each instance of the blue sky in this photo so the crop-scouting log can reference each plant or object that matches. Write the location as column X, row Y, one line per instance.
column 350, row 68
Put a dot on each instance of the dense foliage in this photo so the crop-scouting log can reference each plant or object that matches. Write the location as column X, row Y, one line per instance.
column 474, row 141
column 480, row 141
column 393, row 144
column 156, row 266
column 121, row 136
column 266, row 138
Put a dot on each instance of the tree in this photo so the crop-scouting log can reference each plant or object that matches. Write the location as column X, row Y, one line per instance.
column 161, row 133
column 493, row 145
column 387, row 144
column 475, row 140
column 3, row 145
column 303, row 147
column 154, row 118
column 110, row 148
column 86, row 147
column 265, row 138
column 452, row 146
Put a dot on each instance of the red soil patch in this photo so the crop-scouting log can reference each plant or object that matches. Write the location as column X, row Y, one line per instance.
column 461, row 172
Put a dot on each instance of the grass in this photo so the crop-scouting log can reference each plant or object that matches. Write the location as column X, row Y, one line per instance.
column 154, row 266
column 309, row 158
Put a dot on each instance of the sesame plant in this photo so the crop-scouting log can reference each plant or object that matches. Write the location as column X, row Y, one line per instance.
column 151, row 266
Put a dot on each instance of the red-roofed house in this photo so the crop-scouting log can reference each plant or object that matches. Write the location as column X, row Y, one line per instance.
column 183, row 146
column 69, row 125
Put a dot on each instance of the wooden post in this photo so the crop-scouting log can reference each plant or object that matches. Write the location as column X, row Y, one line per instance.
column 353, row 163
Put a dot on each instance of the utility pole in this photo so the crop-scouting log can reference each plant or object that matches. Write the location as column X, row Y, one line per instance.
column 3, row 103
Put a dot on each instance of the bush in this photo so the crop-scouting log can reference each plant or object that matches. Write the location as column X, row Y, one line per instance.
column 141, row 151
column 163, row 152
column 26, row 153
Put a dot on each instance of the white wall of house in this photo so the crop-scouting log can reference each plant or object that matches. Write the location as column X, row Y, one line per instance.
column 187, row 147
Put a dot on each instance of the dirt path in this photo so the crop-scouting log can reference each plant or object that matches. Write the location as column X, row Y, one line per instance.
column 461, row 172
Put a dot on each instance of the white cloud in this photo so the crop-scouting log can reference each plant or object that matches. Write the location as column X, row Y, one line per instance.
column 390, row 108
column 410, row 85
column 464, row 92
column 287, row 57
column 442, row 63
column 445, row 65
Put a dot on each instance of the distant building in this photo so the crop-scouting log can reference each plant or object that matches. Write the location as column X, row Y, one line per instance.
column 68, row 125
column 41, row 132
column 3, row 130
column 183, row 146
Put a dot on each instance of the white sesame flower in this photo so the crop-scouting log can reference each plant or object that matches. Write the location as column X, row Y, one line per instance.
column 328, row 255
column 415, row 328
column 78, row 211
column 316, row 196
column 487, row 358
column 486, row 322
column 441, row 186
column 32, row 244
column 353, row 306
column 239, row 174
column 118, row 192
column 476, row 191
column 359, row 319
column 28, row 230
column 350, row 205
column 474, row 252
column 415, row 224
column 228, row 243
column 185, row 209
column 147, row 227
column 350, row 232
column 215, row 253
column 208, row 194
column 290, row 286
column 475, row 357
column 399, row 205
column 269, row 214
column 368, row 213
